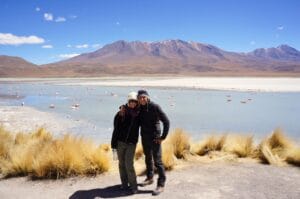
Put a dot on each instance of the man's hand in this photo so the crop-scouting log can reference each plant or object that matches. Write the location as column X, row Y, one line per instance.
column 122, row 111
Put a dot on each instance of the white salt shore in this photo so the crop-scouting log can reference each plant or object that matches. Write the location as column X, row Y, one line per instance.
column 27, row 119
column 216, row 83
column 258, row 84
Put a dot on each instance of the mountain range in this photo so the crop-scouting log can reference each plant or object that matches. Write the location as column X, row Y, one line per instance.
column 161, row 58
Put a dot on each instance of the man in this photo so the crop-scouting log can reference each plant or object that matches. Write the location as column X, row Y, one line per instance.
column 150, row 115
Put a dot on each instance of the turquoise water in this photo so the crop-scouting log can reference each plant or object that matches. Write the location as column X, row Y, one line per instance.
column 199, row 112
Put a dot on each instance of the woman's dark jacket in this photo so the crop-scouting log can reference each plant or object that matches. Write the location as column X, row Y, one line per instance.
column 126, row 127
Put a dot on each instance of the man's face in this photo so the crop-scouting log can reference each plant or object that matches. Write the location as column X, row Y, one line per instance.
column 143, row 100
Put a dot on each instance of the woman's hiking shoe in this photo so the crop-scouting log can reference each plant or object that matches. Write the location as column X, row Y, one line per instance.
column 124, row 187
column 158, row 190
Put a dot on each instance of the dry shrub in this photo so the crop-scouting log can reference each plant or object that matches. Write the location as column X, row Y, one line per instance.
column 139, row 152
column 274, row 149
column 278, row 141
column 70, row 156
column 221, row 156
column 175, row 146
column 293, row 156
column 19, row 160
column 6, row 140
column 105, row 147
column 41, row 135
column 168, row 157
column 240, row 145
column 267, row 156
column 22, row 152
column 39, row 155
column 180, row 142
column 212, row 143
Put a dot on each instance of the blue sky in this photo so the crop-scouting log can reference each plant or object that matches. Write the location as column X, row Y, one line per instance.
column 44, row 31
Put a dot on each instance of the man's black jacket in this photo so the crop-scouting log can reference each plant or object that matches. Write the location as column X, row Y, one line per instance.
column 149, row 117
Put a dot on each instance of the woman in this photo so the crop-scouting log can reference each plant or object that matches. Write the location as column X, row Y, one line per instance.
column 124, row 140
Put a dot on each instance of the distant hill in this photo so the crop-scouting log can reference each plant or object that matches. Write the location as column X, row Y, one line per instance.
column 282, row 53
column 17, row 67
column 176, row 57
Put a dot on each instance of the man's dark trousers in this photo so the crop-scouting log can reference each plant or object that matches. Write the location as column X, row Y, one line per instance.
column 152, row 152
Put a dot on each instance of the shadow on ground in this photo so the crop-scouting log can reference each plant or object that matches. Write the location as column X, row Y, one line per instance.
column 107, row 192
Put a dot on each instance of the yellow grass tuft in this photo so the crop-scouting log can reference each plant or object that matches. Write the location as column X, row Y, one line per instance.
column 267, row 156
column 6, row 140
column 139, row 152
column 70, row 156
column 41, row 135
column 168, row 157
column 211, row 143
column 293, row 156
column 180, row 142
column 279, row 141
column 39, row 155
column 105, row 147
column 274, row 149
column 240, row 145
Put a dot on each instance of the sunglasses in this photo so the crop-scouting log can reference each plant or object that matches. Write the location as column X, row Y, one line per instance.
column 132, row 101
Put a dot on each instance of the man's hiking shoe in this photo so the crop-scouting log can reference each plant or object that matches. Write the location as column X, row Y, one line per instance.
column 134, row 191
column 146, row 182
column 158, row 190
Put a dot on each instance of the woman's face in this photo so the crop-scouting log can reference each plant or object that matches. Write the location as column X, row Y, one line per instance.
column 132, row 103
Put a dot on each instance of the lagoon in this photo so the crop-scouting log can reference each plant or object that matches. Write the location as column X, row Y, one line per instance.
column 198, row 111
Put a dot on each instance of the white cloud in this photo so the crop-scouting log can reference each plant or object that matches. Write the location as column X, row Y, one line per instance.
column 37, row 9
column 96, row 45
column 66, row 56
column 47, row 46
column 48, row 16
column 82, row 46
column 10, row 39
column 280, row 28
column 252, row 42
column 72, row 16
column 117, row 23
column 60, row 19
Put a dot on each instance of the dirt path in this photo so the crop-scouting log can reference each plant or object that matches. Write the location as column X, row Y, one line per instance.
column 215, row 180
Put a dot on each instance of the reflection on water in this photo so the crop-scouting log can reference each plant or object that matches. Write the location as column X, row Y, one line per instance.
column 198, row 111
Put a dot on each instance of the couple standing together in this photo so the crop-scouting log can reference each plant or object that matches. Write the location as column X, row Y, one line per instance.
column 140, row 113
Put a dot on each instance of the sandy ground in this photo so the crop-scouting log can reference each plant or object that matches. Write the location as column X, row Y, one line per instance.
column 214, row 180
column 27, row 119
